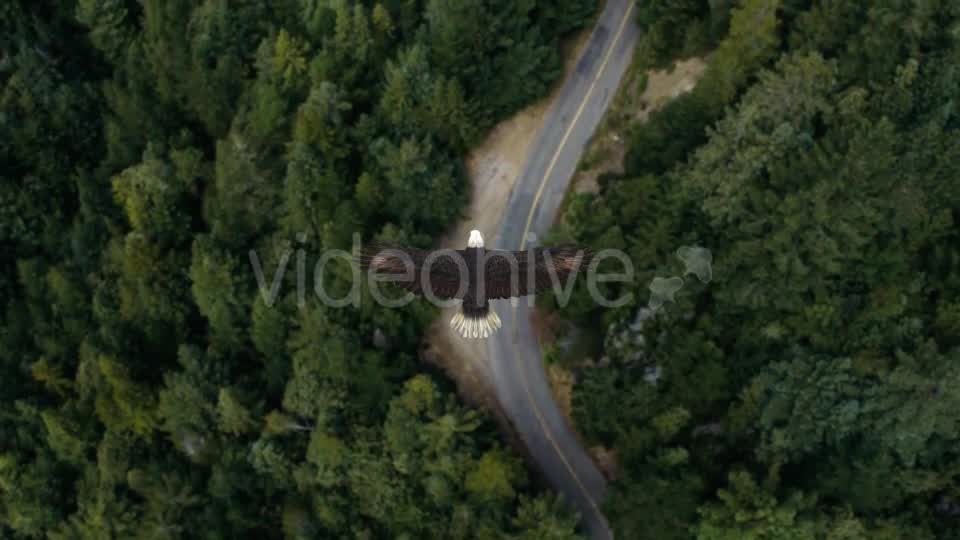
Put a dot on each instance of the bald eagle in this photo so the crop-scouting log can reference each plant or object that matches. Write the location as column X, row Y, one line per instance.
column 475, row 275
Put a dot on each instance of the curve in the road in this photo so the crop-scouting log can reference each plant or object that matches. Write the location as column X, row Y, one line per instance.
column 518, row 373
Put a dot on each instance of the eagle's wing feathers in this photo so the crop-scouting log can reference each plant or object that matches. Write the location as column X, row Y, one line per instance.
column 520, row 273
column 384, row 259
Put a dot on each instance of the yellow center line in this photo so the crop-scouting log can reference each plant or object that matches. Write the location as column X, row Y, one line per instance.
column 573, row 123
column 523, row 242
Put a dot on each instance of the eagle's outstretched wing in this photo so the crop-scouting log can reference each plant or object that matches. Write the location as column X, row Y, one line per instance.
column 444, row 272
column 534, row 270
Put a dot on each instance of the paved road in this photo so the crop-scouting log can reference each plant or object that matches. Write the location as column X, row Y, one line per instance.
column 518, row 375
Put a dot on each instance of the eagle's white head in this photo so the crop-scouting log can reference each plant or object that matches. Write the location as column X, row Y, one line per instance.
column 475, row 240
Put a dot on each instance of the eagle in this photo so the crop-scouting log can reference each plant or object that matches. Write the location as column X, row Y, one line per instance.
column 474, row 275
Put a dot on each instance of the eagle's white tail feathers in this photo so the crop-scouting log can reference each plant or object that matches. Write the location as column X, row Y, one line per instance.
column 482, row 327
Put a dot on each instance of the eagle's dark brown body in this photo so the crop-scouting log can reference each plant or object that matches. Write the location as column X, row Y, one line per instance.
column 476, row 275
column 474, row 301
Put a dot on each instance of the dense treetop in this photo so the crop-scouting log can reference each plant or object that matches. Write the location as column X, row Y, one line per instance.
column 810, row 389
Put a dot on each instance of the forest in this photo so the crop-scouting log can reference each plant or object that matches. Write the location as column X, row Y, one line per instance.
column 146, row 147
column 811, row 389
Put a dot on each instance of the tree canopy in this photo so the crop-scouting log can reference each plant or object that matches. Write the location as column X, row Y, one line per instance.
column 815, row 374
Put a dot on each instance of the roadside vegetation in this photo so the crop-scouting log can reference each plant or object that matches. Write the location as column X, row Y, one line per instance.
column 811, row 389
column 149, row 391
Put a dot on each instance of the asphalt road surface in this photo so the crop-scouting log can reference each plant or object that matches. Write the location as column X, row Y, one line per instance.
column 518, row 374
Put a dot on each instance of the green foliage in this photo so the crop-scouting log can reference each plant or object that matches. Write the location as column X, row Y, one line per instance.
column 542, row 518
column 235, row 418
column 492, row 479
column 749, row 511
column 679, row 127
column 680, row 27
column 816, row 160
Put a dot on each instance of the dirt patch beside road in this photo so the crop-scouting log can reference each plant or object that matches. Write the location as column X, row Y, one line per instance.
column 664, row 85
column 606, row 151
